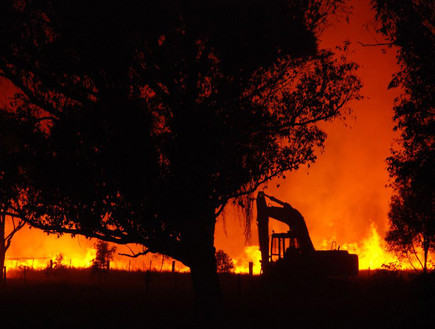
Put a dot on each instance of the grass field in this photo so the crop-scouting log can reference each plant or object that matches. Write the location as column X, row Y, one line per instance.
column 72, row 298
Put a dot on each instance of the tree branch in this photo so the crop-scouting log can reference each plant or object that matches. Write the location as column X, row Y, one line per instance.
column 416, row 256
column 134, row 254
column 221, row 208
column 15, row 230
column 30, row 95
column 375, row 44
column 410, row 261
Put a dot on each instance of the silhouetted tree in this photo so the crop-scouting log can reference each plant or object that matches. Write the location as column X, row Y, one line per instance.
column 104, row 254
column 58, row 262
column 15, row 155
column 158, row 114
column 6, row 236
column 410, row 26
column 224, row 262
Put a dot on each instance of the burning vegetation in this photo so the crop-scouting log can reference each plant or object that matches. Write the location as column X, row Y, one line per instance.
column 148, row 139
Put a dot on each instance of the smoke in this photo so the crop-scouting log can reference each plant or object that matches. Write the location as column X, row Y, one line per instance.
column 344, row 194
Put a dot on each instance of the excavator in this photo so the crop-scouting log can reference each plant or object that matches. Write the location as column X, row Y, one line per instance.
column 292, row 252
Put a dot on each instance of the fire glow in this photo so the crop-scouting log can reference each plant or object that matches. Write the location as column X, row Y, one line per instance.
column 343, row 198
column 39, row 263
column 79, row 253
column 372, row 253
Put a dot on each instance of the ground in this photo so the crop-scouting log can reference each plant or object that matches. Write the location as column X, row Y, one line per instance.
column 70, row 298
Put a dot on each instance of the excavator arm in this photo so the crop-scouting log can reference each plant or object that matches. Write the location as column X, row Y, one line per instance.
column 285, row 214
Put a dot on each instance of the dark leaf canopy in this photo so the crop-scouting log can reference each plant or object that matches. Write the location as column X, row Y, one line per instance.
column 156, row 113
column 410, row 26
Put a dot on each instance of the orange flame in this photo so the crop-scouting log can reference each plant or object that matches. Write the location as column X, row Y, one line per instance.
column 37, row 251
column 70, row 260
column 251, row 254
column 372, row 251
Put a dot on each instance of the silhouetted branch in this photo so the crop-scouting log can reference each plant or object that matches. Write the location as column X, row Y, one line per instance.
column 11, row 214
column 69, row 92
column 375, row 44
column 105, row 234
column 29, row 94
column 17, row 225
column 134, row 254
column 221, row 208
column 416, row 255
column 410, row 261
column 255, row 186
column 44, row 118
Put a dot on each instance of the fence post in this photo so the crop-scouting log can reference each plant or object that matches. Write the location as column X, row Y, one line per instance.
column 147, row 282
column 251, row 268
column 4, row 275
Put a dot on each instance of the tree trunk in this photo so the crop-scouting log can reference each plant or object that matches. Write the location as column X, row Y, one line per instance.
column 2, row 244
column 208, row 296
column 201, row 258
column 426, row 251
column 2, row 263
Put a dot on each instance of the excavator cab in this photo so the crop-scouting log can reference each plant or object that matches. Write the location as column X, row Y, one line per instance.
column 293, row 252
column 283, row 244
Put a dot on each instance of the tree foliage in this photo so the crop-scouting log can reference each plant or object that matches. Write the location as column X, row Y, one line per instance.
column 104, row 254
column 410, row 26
column 58, row 262
column 156, row 115
column 224, row 262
